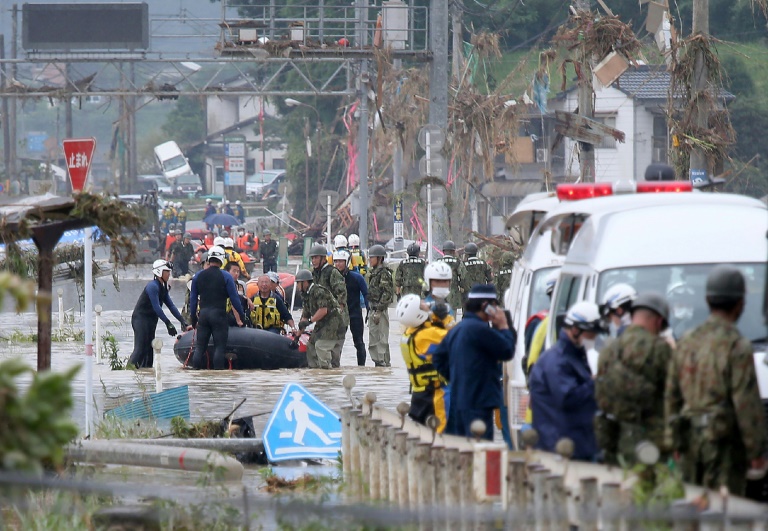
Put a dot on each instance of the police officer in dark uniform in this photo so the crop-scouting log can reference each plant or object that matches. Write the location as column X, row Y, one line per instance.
column 148, row 310
column 214, row 287
column 268, row 249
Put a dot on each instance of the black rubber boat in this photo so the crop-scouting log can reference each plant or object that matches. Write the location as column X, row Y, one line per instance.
column 249, row 348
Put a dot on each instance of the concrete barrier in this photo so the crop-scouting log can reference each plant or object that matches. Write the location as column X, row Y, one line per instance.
column 147, row 455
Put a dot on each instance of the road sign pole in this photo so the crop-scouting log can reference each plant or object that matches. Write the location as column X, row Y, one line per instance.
column 88, row 265
column 429, row 223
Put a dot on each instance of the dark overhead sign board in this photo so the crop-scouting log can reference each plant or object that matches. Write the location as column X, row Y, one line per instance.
column 78, row 27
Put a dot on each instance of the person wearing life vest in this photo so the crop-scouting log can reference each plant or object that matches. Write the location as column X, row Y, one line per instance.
column 357, row 261
column 423, row 332
column 181, row 216
column 233, row 269
column 269, row 311
column 149, row 308
column 208, row 240
column 235, row 257
column 536, row 327
column 170, row 238
column 274, row 279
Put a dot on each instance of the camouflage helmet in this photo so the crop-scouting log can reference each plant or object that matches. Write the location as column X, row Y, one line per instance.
column 470, row 249
column 414, row 249
column 725, row 284
column 304, row 274
column 448, row 245
column 654, row 302
column 318, row 249
column 507, row 259
column 377, row 250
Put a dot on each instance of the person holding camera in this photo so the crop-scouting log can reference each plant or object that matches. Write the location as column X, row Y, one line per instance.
column 470, row 357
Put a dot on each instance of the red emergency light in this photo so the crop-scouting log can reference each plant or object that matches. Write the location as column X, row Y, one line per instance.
column 664, row 186
column 576, row 191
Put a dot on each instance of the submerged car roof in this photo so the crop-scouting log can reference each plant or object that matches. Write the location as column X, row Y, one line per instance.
column 704, row 228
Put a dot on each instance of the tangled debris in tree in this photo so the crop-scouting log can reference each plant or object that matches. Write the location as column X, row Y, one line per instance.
column 277, row 484
column 204, row 429
column 493, row 247
column 115, row 220
column 685, row 100
column 600, row 35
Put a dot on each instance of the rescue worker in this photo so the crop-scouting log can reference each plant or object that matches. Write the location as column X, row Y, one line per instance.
column 210, row 210
column 208, row 240
column 176, row 240
column 631, row 377
column 561, row 387
column 715, row 418
column 168, row 216
column 181, row 253
column 269, row 311
column 381, row 291
column 410, row 273
column 210, row 290
column 233, row 256
column 181, row 216
column 459, row 274
column 239, row 211
column 228, row 208
column 357, row 295
column 148, row 309
column 319, row 307
column 357, row 262
column 268, row 249
column 233, row 269
column 220, row 207
column 437, row 281
column 250, row 242
column 478, row 270
column 422, row 333
column 469, row 359
column 330, row 278
column 536, row 327
column 340, row 243
column 616, row 307
column 503, row 276
column 170, row 238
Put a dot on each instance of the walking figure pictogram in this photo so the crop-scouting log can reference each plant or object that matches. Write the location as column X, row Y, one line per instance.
column 298, row 410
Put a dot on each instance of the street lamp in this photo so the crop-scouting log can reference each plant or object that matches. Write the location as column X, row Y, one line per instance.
column 290, row 102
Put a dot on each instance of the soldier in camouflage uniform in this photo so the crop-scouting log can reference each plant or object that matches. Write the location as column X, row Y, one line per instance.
column 324, row 274
column 503, row 275
column 478, row 270
column 631, row 377
column 459, row 283
column 410, row 272
column 319, row 307
column 715, row 418
column 381, row 291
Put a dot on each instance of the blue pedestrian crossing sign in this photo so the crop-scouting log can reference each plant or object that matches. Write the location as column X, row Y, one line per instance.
column 301, row 427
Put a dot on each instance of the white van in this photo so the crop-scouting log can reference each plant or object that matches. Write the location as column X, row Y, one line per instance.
column 665, row 242
column 171, row 160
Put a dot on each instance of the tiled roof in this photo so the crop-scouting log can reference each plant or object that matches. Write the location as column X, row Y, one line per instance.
column 650, row 83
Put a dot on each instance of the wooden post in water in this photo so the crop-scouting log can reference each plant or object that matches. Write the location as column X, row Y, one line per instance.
column 402, row 468
column 588, row 505
column 610, row 513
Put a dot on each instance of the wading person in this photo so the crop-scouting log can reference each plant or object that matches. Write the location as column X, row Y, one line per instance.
column 211, row 289
column 357, row 295
column 424, row 331
column 470, row 357
column 319, row 307
column 331, row 279
column 149, row 308
column 381, row 291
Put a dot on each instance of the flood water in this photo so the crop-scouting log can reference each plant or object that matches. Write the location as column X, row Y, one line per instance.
column 212, row 394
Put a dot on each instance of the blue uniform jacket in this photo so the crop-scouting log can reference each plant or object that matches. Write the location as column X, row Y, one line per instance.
column 563, row 398
column 469, row 358
column 357, row 292
column 229, row 282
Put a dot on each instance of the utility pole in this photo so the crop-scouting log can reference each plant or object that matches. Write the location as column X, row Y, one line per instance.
column 699, row 165
column 13, row 159
column 457, row 16
column 132, row 152
column 438, row 99
column 362, row 131
column 586, row 102
column 398, row 185
column 68, row 128
column 4, row 111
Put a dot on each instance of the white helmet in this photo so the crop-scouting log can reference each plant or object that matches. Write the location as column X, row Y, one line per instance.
column 551, row 281
column 340, row 241
column 219, row 241
column 217, row 253
column 228, row 201
column 617, row 296
column 437, row 271
column 208, row 200
column 228, row 242
column 221, row 203
column 409, row 311
column 238, row 202
column 340, row 255
column 158, row 266
column 584, row 315
column 354, row 240
column 178, row 204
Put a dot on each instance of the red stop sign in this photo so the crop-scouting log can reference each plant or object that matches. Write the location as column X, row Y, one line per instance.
column 79, row 153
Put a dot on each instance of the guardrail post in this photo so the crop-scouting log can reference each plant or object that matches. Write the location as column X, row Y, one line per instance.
column 413, row 472
column 346, row 457
column 538, row 483
column 556, row 499
column 588, row 506
column 374, row 458
column 383, row 451
column 610, row 507
column 684, row 515
column 466, row 490
column 426, row 480
column 517, row 491
column 365, row 465
column 450, row 472
column 401, row 461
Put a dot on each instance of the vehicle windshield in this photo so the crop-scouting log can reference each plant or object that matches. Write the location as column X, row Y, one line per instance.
column 162, row 181
column 174, row 163
column 539, row 300
column 261, row 178
column 684, row 287
column 188, row 179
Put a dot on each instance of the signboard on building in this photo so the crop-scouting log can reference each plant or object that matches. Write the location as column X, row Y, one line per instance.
column 234, row 160
column 398, row 219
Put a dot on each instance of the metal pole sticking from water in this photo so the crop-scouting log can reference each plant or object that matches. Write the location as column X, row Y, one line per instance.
column 157, row 346
column 328, row 213
column 429, row 223
column 88, row 265
column 98, row 309
column 60, row 293
column 293, row 293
